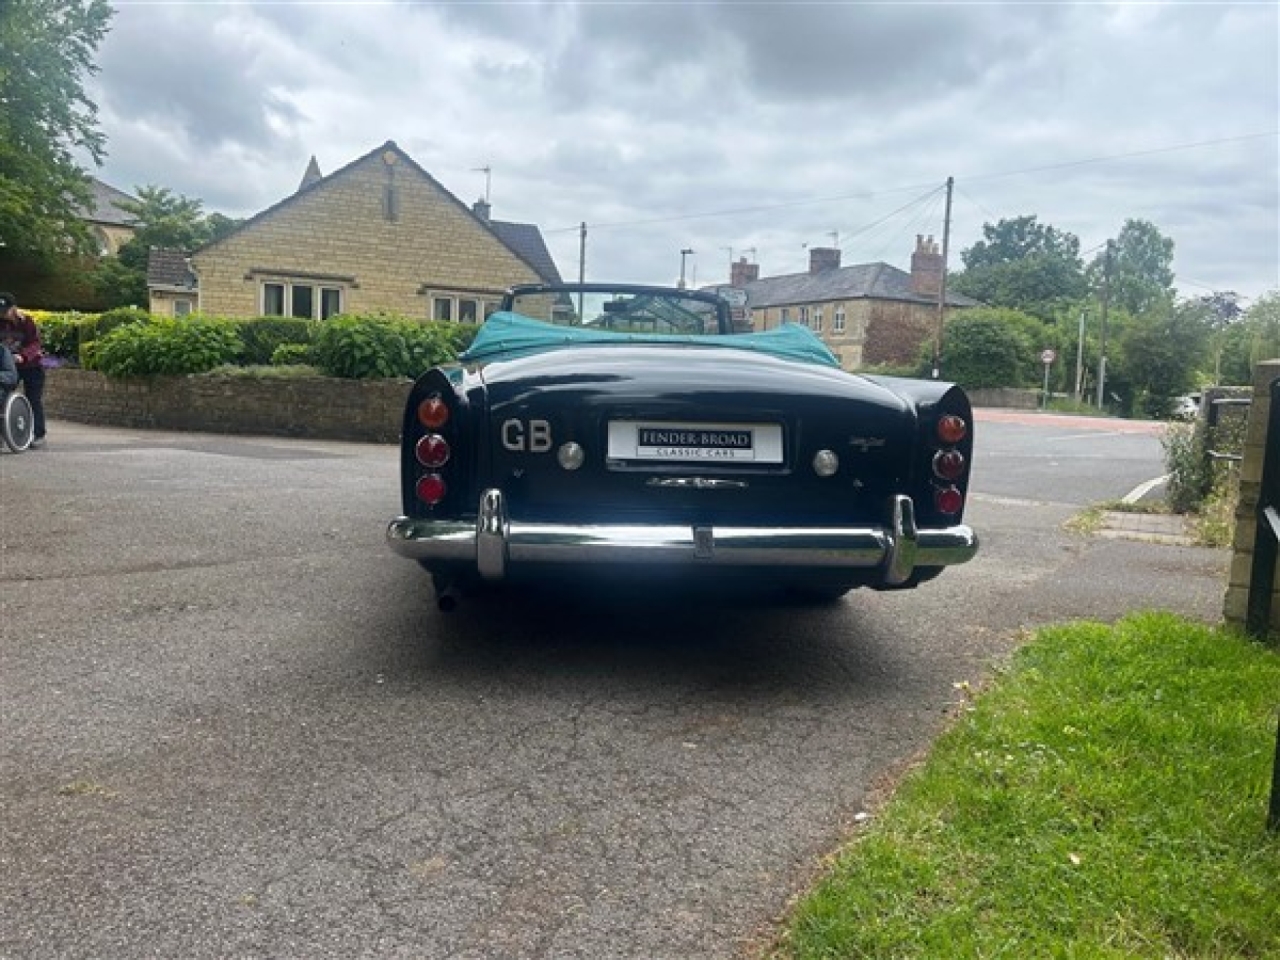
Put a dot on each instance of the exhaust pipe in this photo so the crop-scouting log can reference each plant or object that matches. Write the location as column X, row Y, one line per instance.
column 448, row 596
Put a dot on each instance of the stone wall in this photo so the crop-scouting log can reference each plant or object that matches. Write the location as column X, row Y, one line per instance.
column 322, row 408
column 1235, row 603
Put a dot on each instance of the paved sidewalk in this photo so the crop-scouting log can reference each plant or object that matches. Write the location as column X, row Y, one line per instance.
column 1168, row 528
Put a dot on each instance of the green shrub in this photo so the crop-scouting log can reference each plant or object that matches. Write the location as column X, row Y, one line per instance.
column 1188, row 465
column 166, row 346
column 60, row 334
column 984, row 348
column 382, row 346
column 291, row 354
column 263, row 335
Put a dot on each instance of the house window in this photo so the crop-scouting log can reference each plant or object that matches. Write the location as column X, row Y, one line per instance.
column 303, row 300
column 786, row 315
column 817, row 319
column 181, row 308
column 490, row 308
column 468, row 311
column 442, row 308
column 804, row 316
column 839, row 322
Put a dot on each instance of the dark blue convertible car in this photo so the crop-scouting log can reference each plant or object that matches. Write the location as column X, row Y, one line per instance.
column 626, row 432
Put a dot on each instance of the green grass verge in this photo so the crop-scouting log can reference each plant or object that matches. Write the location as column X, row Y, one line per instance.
column 1105, row 797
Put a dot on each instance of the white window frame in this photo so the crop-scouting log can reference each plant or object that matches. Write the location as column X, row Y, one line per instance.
column 804, row 316
column 320, row 293
column 817, row 319
column 183, row 307
column 838, row 326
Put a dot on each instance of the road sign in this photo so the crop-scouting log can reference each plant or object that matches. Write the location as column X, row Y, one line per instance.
column 1047, row 357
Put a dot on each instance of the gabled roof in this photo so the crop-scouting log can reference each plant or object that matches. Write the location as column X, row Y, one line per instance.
column 105, row 205
column 170, row 270
column 524, row 252
column 869, row 281
column 526, row 240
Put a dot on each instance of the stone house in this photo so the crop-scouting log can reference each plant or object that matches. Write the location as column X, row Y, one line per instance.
column 110, row 224
column 379, row 234
column 868, row 313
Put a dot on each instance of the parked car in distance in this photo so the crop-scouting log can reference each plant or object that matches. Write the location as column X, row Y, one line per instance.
column 624, row 432
column 1186, row 407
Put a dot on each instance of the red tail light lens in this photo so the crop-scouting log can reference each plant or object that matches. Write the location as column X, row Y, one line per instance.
column 431, row 489
column 952, row 429
column 433, row 451
column 948, row 464
column 433, row 413
column 948, row 500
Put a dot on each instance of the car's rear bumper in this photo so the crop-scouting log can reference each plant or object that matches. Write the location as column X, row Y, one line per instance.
column 494, row 543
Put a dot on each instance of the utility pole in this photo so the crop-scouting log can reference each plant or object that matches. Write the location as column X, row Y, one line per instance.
column 1080, row 359
column 942, row 286
column 683, row 253
column 1102, row 337
column 582, row 263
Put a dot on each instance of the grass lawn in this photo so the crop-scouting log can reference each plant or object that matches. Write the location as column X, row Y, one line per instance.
column 1105, row 797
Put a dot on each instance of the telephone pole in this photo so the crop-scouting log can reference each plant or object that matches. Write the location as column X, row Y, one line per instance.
column 1102, row 336
column 942, row 286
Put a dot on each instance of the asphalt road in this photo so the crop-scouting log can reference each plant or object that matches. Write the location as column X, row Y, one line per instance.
column 233, row 724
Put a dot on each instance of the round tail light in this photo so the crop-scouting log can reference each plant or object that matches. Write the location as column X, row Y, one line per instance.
column 431, row 489
column 948, row 464
column 948, row 500
column 433, row 413
column 432, row 451
column 952, row 429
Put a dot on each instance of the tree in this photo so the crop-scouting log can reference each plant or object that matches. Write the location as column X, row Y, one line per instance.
column 162, row 219
column 1023, row 265
column 45, row 116
column 1254, row 338
column 1161, row 352
column 1140, row 273
column 989, row 348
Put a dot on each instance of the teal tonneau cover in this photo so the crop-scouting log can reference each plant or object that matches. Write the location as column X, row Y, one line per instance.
column 507, row 334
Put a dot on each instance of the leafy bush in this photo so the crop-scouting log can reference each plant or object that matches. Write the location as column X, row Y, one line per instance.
column 291, row 354
column 1187, row 462
column 983, row 349
column 383, row 346
column 166, row 346
column 60, row 333
column 263, row 335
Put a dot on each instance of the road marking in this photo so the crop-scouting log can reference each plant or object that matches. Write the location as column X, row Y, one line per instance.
column 1142, row 489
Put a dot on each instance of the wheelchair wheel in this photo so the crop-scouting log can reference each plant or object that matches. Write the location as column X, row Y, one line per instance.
column 17, row 424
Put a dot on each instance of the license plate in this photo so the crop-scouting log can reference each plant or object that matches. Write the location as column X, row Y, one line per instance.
column 699, row 442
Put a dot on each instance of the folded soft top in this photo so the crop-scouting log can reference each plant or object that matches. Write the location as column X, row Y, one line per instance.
column 507, row 334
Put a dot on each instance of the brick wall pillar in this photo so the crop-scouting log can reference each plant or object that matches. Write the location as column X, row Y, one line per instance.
column 1234, row 605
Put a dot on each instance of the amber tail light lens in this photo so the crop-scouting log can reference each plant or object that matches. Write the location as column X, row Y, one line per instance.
column 433, row 413
column 952, row 429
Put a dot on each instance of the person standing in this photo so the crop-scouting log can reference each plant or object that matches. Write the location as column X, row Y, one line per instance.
column 18, row 332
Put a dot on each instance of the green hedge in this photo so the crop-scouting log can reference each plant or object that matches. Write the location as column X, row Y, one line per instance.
column 129, row 342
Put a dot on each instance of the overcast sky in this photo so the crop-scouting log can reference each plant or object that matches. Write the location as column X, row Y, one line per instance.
column 757, row 127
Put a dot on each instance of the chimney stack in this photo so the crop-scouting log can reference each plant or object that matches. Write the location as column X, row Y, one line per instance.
column 481, row 209
column 742, row 273
column 926, row 267
column 822, row 259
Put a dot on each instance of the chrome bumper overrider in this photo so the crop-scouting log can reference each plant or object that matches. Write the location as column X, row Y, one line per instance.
column 493, row 542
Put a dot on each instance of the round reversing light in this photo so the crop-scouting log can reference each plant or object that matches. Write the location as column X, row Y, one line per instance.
column 433, row 413
column 431, row 489
column 948, row 500
column 952, row 429
column 948, row 464
column 432, row 451
column 825, row 463
column 571, row 455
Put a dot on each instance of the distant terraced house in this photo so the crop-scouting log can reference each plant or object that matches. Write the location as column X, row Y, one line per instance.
column 111, row 225
column 379, row 234
column 868, row 313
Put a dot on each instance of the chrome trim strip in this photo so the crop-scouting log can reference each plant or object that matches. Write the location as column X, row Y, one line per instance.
column 494, row 541
column 697, row 483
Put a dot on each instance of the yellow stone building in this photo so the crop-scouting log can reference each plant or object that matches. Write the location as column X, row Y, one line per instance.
column 379, row 234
